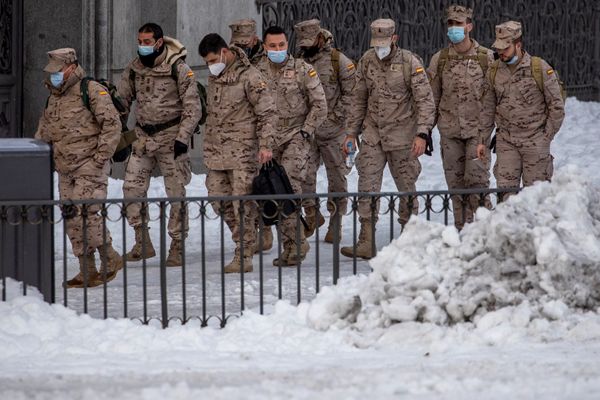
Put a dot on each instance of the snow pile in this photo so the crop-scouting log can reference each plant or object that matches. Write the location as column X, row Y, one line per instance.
column 535, row 258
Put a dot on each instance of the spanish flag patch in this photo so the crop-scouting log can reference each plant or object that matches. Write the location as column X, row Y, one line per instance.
column 312, row 73
column 419, row 70
column 350, row 66
column 103, row 93
column 190, row 74
column 550, row 71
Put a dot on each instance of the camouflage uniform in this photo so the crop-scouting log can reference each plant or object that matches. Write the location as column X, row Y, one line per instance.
column 243, row 32
column 527, row 118
column 459, row 92
column 241, row 119
column 160, row 100
column 338, row 82
column 301, row 106
column 83, row 141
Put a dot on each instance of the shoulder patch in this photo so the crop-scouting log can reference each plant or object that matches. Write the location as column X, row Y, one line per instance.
column 312, row 73
column 419, row 70
column 550, row 71
column 103, row 93
column 190, row 73
column 350, row 66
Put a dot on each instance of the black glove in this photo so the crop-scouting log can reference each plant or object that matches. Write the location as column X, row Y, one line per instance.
column 179, row 148
column 122, row 154
column 428, row 142
column 493, row 144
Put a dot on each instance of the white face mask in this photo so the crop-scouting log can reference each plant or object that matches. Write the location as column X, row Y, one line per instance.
column 217, row 68
column 383, row 52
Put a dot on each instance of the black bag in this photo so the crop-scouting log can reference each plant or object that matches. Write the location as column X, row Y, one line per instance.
column 272, row 179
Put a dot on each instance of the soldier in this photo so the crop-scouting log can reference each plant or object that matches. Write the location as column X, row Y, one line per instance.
column 243, row 35
column 394, row 108
column 239, row 134
column 167, row 112
column 336, row 72
column 301, row 108
column 83, row 140
column 529, row 110
column 457, row 75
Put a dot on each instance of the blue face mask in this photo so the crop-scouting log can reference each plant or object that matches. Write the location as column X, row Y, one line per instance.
column 57, row 79
column 456, row 34
column 277, row 57
column 513, row 60
column 145, row 50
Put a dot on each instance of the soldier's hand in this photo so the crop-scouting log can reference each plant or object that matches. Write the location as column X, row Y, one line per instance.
column 348, row 139
column 481, row 152
column 418, row 147
column 179, row 148
column 264, row 156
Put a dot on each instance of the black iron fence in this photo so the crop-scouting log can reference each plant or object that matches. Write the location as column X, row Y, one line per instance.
column 564, row 32
column 150, row 291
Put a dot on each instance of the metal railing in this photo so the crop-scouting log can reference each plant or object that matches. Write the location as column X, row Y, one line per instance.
column 150, row 291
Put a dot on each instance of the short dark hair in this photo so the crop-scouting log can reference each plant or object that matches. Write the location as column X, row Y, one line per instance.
column 518, row 40
column 151, row 27
column 469, row 20
column 211, row 43
column 273, row 30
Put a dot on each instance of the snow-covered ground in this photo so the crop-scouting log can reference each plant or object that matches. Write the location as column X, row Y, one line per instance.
column 508, row 308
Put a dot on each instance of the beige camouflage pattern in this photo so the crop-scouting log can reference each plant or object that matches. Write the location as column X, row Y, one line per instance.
column 301, row 105
column 389, row 115
column 527, row 120
column 83, row 142
column 329, row 137
column 460, row 94
column 159, row 99
column 241, row 116
column 241, row 120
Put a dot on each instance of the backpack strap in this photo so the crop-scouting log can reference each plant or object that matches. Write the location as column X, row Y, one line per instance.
column 537, row 73
column 85, row 91
column 132, row 82
column 494, row 71
column 442, row 61
column 335, row 63
column 407, row 69
column 482, row 58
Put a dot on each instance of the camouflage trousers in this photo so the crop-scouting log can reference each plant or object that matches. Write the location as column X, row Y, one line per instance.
column 405, row 170
column 464, row 170
column 85, row 187
column 177, row 174
column 293, row 156
column 530, row 160
column 327, row 146
column 235, row 183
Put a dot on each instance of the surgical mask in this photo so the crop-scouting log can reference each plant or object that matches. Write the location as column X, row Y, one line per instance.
column 456, row 34
column 57, row 79
column 383, row 52
column 513, row 60
column 217, row 68
column 277, row 57
column 145, row 50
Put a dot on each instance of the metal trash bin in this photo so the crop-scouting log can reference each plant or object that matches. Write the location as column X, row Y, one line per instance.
column 26, row 230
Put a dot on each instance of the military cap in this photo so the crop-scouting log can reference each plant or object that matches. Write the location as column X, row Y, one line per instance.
column 307, row 32
column 506, row 34
column 243, row 31
column 58, row 58
column 458, row 13
column 382, row 31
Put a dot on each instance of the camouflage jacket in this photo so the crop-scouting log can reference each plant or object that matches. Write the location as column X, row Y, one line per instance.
column 241, row 116
column 82, row 140
column 299, row 97
column 460, row 93
column 384, row 108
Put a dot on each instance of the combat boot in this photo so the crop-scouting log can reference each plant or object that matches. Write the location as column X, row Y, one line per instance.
column 314, row 219
column 290, row 256
column 235, row 266
column 93, row 279
column 141, row 236
column 111, row 262
column 175, row 259
column 267, row 239
column 330, row 233
column 364, row 246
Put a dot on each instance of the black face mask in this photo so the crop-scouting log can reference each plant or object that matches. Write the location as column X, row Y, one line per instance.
column 309, row 52
column 149, row 60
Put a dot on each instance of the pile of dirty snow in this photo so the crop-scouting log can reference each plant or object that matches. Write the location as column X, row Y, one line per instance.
column 536, row 257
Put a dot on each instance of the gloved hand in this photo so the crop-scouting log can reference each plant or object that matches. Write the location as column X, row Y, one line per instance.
column 493, row 144
column 179, row 148
column 429, row 145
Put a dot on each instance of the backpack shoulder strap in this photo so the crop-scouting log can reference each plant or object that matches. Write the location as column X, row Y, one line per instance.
column 536, row 72
column 85, row 91
column 174, row 73
column 407, row 68
column 132, row 82
column 494, row 71
column 335, row 63
column 482, row 58
column 442, row 61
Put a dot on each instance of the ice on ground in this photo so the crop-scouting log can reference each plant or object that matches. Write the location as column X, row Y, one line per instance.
column 534, row 260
